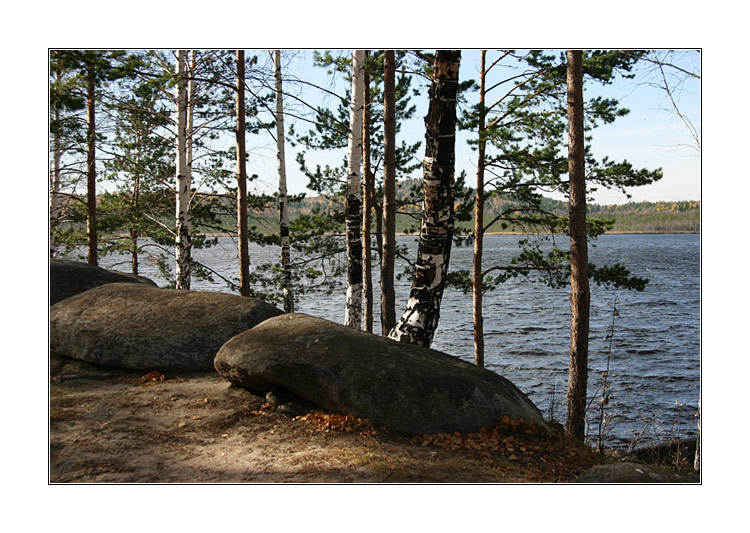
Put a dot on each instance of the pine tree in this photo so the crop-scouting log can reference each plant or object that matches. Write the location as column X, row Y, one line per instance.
column 388, row 255
column 579, row 279
column 140, row 160
column 243, row 251
column 96, row 68
column 368, row 197
column 519, row 124
column 476, row 274
column 67, row 100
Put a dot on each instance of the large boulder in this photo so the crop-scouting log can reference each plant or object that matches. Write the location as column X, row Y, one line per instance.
column 68, row 278
column 134, row 326
column 634, row 473
column 406, row 388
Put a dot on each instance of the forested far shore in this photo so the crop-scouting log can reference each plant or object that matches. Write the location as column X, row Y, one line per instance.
column 632, row 217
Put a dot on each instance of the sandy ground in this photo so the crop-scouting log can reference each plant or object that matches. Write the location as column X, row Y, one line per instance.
column 118, row 427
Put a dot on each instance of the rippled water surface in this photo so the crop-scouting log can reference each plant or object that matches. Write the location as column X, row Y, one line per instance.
column 655, row 350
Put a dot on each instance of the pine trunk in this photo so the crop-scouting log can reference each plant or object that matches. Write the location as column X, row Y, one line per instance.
column 182, row 210
column 286, row 271
column 420, row 319
column 353, row 317
column 189, row 131
column 697, row 461
column 134, row 201
column 367, row 197
column 579, row 279
column 388, row 253
column 243, row 253
column 476, row 270
column 54, row 192
column 91, row 230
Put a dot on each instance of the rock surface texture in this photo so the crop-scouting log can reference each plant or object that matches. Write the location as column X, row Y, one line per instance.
column 138, row 327
column 634, row 473
column 406, row 388
column 68, row 278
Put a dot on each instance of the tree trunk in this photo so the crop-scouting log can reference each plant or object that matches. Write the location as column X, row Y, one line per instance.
column 182, row 211
column 697, row 461
column 388, row 254
column 476, row 270
column 54, row 198
column 367, row 198
column 579, row 279
column 286, row 271
column 134, row 201
column 91, row 232
column 353, row 317
column 243, row 254
column 420, row 319
column 189, row 131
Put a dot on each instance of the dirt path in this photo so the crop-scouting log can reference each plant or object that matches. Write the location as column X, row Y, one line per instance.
column 110, row 427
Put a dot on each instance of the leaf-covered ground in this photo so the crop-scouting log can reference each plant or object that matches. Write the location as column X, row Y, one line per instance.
column 108, row 427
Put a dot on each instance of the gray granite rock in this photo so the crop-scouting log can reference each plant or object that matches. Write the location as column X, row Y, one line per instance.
column 139, row 327
column 68, row 278
column 406, row 388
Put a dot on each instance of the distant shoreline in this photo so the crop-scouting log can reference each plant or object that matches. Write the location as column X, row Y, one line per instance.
column 613, row 233
column 416, row 233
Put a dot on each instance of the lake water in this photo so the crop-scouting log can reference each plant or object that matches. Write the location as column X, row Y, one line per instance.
column 654, row 363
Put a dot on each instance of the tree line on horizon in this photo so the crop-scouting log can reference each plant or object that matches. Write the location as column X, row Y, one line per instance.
column 171, row 130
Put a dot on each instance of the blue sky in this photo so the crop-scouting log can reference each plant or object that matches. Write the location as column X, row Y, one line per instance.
column 650, row 136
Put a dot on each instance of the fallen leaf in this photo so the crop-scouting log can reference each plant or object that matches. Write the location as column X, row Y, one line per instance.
column 152, row 377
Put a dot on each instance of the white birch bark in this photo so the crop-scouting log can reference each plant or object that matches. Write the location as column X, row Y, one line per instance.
column 353, row 316
column 182, row 187
column 419, row 321
column 286, row 272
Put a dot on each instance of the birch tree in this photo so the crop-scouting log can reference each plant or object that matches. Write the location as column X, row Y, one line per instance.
column 420, row 319
column 182, row 185
column 353, row 316
column 286, row 270
column 331, row 132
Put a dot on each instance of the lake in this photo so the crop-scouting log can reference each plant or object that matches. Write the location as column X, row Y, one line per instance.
column 654, row 359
